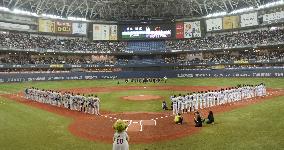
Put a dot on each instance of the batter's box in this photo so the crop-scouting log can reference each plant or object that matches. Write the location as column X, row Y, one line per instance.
column 137, row 125
column 149, row 122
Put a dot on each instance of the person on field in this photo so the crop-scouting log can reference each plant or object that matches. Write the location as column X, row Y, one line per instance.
column 97, row 105
column 178, row 119
column 164, row 105
column 197, row 119
column 210, row 118
column 120, row 137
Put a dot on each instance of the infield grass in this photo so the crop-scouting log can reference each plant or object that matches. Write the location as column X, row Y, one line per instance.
column 259, row 126
column 112, row 101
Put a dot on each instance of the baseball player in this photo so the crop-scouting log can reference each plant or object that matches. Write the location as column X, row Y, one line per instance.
column 205, row 99
column 179, row 103
column 195, row 100
column 183, row 104
column 200, row 100
column 97, row 105
column 263, row 89
column 188, row 102
column 175, row 104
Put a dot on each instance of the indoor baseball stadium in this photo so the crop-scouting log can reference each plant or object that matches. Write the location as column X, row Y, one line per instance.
column 141, row 74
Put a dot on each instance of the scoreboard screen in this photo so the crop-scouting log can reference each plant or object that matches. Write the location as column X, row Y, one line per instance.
column 151, row 31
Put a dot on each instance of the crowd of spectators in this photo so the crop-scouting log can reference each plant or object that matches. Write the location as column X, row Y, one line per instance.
column 23, row 59
column 26, row 41
column 206, row 58
column 229, row 40
column 146, row 46
column 226, row 57
column 39, row 42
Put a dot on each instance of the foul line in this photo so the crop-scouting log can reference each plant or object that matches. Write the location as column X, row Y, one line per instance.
column 128, row 124
column 141, row 125
column 155, row 122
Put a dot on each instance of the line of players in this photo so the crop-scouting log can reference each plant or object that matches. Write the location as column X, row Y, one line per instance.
column 200, row 100
column 88, row 104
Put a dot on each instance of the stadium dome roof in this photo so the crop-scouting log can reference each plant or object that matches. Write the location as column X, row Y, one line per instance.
column 117, row 10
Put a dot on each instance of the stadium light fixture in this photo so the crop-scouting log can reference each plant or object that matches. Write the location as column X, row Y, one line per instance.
column 223, row 13
column 272, row 4
column 52, row 16
column 76, row 19
column 22, row 12
column 4, row 9
column 274, row 28
column 241, row 10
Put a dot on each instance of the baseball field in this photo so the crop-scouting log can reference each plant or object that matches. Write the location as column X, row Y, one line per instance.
column 254, row 124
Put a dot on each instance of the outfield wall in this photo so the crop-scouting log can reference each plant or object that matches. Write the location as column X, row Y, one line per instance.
column 22, row 77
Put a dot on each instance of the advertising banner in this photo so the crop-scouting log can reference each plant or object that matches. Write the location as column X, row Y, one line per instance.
column 196, row 30
column 273, row 17
column 63, row 27
column 214, row 24
column 79, row 28
column 18, row 18
column 21, row 77
column 192, row 29
column 97, row 32
column 188, row 30
column 46, row 25
column 231, row 22
column 179, row 30
column 249, row 19
column 105, row 32
column 113, row 32
column 12, row 26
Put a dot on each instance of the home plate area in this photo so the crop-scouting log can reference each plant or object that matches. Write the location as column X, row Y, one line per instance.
column 137, row 125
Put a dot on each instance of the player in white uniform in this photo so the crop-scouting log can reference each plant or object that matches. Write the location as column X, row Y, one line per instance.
column 216, row 97
column 97, row 105
column 205, row 99
column 179, row 103
column 183, row 104
column 210, row 99
column 200, row 100
column 195, row 101
column 225, row 92
column 175, row 104
column 263, row 89
column 258, row 90
column 188, row 102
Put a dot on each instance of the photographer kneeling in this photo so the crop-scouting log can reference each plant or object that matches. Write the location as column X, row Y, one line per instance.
column 210, row 118
column 178, row 119
column 197, row 119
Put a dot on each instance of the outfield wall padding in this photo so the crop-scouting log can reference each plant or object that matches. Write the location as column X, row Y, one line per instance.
column 23, row 77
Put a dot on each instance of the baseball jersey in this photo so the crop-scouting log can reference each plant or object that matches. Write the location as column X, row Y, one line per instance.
column 120, row 141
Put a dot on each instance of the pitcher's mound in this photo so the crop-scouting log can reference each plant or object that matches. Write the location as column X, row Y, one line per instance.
column 141, row 97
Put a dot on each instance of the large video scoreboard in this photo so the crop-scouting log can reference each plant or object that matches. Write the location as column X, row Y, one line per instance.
column 146, row 31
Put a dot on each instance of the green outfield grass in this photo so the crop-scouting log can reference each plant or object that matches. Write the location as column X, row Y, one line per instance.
column 258, row 126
